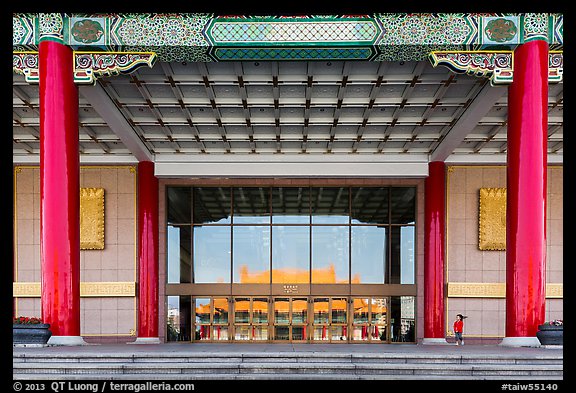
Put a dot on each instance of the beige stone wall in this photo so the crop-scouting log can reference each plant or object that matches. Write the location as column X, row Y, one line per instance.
column 100, row 316
column 467, row 263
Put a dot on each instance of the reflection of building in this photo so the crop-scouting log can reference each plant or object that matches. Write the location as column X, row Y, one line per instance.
column 351, row 124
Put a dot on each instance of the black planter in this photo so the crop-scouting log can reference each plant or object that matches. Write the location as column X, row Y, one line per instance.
column 31, row 333
column 550, row 334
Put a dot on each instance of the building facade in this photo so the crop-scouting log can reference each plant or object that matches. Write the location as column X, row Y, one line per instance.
column 349, row 178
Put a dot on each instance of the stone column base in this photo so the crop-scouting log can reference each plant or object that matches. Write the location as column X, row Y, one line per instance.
column 146, row 340
column 520, row 342
column 66, row 341
column 435, row 341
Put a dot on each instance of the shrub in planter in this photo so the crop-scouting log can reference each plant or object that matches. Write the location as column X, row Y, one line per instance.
column 551, row 333
column 30, row 330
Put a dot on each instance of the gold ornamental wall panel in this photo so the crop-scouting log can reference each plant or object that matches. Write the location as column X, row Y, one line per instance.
column 492, row 219
column 87, row 289
column 91, row 218
column 495, row 290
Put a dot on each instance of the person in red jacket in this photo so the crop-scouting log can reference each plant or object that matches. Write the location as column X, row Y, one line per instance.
column 459, row 328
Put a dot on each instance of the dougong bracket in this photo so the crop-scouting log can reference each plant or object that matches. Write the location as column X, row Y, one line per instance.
column 88, row 66
column 496, row 65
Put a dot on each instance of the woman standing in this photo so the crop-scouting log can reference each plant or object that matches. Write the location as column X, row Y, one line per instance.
column 459, row 328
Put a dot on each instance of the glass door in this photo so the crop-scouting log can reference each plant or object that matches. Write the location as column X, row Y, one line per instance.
column 369, row 320
column 299, row 318
column 290, row 319
column 251, row 319
column 282, row 319
column 330, row 319
column 211, row 319
column 338, row 319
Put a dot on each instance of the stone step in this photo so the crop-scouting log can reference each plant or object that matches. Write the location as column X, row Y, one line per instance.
column 290, row 368
column 283, row 357
column 270, row 376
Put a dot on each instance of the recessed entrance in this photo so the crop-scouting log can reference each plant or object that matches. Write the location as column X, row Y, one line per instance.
column 296, row 264
column 292, row 319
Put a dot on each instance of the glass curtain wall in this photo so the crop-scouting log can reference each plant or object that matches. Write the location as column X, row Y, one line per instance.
column 318, row 235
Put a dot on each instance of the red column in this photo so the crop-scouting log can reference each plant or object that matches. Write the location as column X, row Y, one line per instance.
column 434, row 251
column 147, row 251
column 526, row 190
column 59, row 190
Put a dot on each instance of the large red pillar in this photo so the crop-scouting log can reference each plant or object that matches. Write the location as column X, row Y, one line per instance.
column 526, row 194
column 434, row 253
column 147, row 254
column 59, row 194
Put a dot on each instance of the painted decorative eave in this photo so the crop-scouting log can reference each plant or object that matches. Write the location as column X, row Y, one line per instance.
column 209, row 37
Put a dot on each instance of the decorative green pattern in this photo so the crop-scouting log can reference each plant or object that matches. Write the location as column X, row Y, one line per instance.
column 88, row 31
column 293, row 53
column 535, row 27
column 185, row 30
column 292, row 31
column 500, row 30
column 206, row 37
column 427, row 29
column 51, row 27
column 22, row 31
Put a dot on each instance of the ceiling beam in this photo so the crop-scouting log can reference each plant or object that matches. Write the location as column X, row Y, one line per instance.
column 478, row 108
column 102, row 104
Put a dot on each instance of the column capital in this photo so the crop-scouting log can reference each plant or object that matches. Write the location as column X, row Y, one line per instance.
column 498, row 66
column 88, row 66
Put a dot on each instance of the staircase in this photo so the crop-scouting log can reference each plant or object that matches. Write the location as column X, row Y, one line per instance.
column 284, row 365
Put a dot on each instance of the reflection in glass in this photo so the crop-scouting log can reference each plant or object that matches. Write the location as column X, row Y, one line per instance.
column 299, row 333
column 281, row 332
column 290, row 254
column 320, row 310
column 212, row 205
column 360, row 306
column 202, row 308
column 403, row 205
column 290, row 205
column 202, row 322
column 282, row 311
column 360, row 333
column 212, row 254
column 402, row 319
column 251, row 205
column 179, row 318
column 220, row 310
column 329, row 205
column 402, row 256
column 370, row 205
column 339, row 333
column 260, row 310
column 330, row 254
column 368, row 254
column 339, row 310
column 299, row 310
column 378, row 310
column 251, row 254
column 321, row 333
column 242, row 332
column 220, row 333
column 259, row 333
column 178, row 254
column 179, row 201
column 242, row 310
